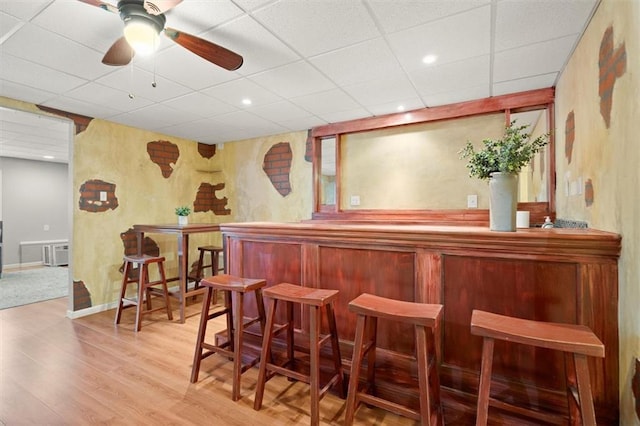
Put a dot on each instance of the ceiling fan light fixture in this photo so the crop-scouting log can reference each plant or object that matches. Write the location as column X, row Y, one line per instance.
column 141, row 36
column 141, row 30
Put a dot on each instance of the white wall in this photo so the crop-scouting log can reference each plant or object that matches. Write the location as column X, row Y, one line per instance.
column 34, row 194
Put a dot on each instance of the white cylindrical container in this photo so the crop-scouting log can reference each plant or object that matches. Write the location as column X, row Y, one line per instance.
column 522, row 219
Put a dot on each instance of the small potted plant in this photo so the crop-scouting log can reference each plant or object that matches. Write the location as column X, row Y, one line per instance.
column 183, row 212
column 500, row 161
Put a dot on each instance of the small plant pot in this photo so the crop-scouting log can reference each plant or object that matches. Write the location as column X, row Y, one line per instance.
column 183, row 220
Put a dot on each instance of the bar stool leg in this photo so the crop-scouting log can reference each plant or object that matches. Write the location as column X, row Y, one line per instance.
column 142, row 281
column 485, row 382
column 335, row 346
column 123, row 291
column 423, row 374
column 587, row 411
column 372, row 323
column 165, row 290
column 355, row 371
column 238, row 307
column 314, row 329
column 265, row 354
column 202, row 331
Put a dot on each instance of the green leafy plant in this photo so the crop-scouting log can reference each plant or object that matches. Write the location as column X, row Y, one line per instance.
column 183, row 211
column 507, row 155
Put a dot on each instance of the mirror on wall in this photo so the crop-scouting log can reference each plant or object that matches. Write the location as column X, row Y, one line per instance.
column 419, row 167
column 407, row 166
column 328, row 171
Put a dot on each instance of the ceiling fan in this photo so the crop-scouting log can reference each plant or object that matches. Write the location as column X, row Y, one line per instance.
column 144, row 20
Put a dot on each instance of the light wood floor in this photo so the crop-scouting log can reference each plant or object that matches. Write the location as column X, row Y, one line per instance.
column 58, row 371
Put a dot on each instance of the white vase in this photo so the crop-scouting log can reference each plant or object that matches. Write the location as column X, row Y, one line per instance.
column 183, row 220
column 503, row 201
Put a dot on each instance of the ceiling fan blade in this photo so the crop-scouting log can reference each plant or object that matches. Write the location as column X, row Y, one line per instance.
column 212, row 52
column 120, row 53
column 156, row 7
column 102, row 5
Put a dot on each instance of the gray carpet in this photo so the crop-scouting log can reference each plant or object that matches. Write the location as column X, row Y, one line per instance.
column 33, row 285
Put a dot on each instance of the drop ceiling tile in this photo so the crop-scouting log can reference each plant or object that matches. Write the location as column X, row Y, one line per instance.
column 338, row 116
column 369, row 60
column 234, row 92
column 260, row 51
column 399, row 15
column 140, row 82
column 408, row 104
column 334, row 100
column 200, row 105
column 300, row 124
column 520, row 23
column 524, row 84
column 452, row 76
column 455, row 96
column 118, row 100
column 536, row 59
column 94, row 27
column 452, row 39
column 293, row 80
column 250, row 5
column 196, row 17
column 381, row 91
column 34, row 75
column 36, row 44
column 197, row 130
column 185, row 68
column 23, row 10
column 154, row 117
column 24, row 93
column 278, row 111
column 314, row 27
column 8, row 25
column 77, row 106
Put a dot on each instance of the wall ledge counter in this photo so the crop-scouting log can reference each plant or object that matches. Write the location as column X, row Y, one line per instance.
column 558, row 243
column 558, row 275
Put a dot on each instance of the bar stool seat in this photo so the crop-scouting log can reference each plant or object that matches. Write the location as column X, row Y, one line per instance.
column 426, row 320
column 315, row 299
column 576, row 341
column 236, row 323
column 145, row 288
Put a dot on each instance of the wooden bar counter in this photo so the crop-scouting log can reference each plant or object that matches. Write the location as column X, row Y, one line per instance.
column 557, row 275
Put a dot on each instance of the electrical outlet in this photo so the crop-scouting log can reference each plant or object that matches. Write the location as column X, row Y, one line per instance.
column 103, row 195
column 355, row 200
column 472, row 201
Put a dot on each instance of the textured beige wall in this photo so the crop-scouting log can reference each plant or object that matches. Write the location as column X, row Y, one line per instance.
column 610, row 157
column 118, row 154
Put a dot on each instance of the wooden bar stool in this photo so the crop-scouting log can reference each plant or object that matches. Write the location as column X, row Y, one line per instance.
column 236, row 323
column 145, row 288
column 426, row 320
column 214, row 258
column 214, row 253
column 576, row 341
column 315, row 299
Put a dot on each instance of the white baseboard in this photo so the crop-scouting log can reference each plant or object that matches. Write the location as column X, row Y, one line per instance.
column 22, row 265
column 92, row 310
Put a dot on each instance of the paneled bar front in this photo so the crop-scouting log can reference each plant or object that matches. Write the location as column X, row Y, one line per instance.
column 553, row 275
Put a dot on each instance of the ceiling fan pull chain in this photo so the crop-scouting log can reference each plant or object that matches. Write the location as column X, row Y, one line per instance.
column 131, row 96
column 153, row 83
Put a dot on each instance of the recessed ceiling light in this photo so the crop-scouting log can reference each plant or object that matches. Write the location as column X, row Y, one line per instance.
column 400, row 108
column 430, row 59
column 48, row 157
column 246, row 101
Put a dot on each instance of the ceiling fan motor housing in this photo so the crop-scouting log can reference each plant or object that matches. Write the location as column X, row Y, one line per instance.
column 134, row 10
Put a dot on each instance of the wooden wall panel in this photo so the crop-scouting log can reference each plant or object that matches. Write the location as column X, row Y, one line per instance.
column 525, row 289
column 381, row 272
